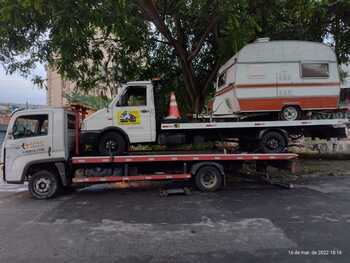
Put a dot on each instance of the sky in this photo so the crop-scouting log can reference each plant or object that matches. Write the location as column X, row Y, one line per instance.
column 17, row 89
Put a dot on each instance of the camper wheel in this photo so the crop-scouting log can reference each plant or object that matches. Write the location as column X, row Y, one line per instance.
column 290, row 113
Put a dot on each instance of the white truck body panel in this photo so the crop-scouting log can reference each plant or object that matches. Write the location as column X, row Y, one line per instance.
column 265, row 76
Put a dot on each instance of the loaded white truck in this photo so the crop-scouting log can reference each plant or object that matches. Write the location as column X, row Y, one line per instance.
column 40, row 148
column 133, row 118
column 290, row 78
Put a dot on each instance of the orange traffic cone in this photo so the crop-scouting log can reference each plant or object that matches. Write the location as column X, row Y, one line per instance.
column 173, row 109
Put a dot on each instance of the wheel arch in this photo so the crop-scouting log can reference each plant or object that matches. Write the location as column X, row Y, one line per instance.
column 296, row 105
column 195, row 167
column 56, row 165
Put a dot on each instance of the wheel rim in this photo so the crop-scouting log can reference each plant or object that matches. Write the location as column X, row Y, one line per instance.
column 209, row 179
column 42, row 185
column 111, row 146
column 272, row 144
column 290, row 113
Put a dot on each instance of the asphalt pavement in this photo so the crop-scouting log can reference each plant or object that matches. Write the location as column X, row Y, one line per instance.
column 242, row 223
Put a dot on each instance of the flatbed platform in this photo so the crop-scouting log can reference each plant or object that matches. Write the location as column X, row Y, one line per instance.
column 182, row 157
column 182, row 166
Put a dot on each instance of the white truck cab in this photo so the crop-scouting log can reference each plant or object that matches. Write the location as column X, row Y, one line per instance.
column 34, row 137
column 131, row 114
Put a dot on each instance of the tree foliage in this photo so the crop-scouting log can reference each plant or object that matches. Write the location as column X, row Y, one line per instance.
column 102, row 42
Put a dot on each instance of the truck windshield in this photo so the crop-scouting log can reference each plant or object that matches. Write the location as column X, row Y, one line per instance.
column 30, row 126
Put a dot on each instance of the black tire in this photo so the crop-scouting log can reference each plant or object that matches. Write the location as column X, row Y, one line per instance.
column 44, row 184
column 111, row 143
column 290, row 113
column 208, row 179
column 273, row 142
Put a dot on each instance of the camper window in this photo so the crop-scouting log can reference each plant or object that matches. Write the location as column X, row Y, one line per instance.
column 222, row 79
column 314, row 70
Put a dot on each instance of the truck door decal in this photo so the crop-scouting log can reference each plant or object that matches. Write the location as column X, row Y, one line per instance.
column 33, row 147
column 126, row 117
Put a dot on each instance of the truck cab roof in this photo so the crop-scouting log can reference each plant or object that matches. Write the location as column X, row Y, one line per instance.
column 38, row 110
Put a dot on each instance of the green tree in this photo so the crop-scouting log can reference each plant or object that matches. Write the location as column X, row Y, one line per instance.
column 103, row 42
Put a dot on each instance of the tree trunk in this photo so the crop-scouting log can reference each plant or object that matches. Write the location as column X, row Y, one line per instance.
column 198, row 104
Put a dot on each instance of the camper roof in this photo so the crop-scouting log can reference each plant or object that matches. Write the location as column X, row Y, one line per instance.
column 282, row 51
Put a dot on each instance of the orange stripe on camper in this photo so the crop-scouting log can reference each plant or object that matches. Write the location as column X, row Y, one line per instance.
column 276, row 104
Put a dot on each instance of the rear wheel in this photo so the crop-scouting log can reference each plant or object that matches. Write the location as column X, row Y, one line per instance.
column 112, row 143
column 273, row 142
column 44, row 184
column 208, row 179
column 290, row 113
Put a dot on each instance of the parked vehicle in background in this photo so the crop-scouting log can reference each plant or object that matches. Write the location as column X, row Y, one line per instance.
column 290, row 78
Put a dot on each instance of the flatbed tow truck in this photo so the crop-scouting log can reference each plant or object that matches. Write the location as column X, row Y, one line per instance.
column 41, row 148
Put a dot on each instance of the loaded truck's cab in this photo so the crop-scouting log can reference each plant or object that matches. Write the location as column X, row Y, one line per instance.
column 36, row 137
column 130, row 117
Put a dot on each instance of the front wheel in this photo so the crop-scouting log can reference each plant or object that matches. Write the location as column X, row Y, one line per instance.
column 44, row 184
column 112, row 143
column 208, row 179
column 273, row 142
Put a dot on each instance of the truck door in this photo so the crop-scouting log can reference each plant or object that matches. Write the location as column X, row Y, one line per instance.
column 29, row 139
column 134, row 113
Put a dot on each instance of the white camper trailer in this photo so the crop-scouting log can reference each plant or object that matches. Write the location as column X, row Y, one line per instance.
column 278, row 76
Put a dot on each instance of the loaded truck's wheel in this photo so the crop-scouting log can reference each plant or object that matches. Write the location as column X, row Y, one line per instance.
column 273, row 142
column 112, row 143
column 44, row 184
column 208, row 179
column 290, row 113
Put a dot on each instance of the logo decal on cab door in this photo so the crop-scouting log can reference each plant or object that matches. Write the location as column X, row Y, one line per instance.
column 128, row 117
